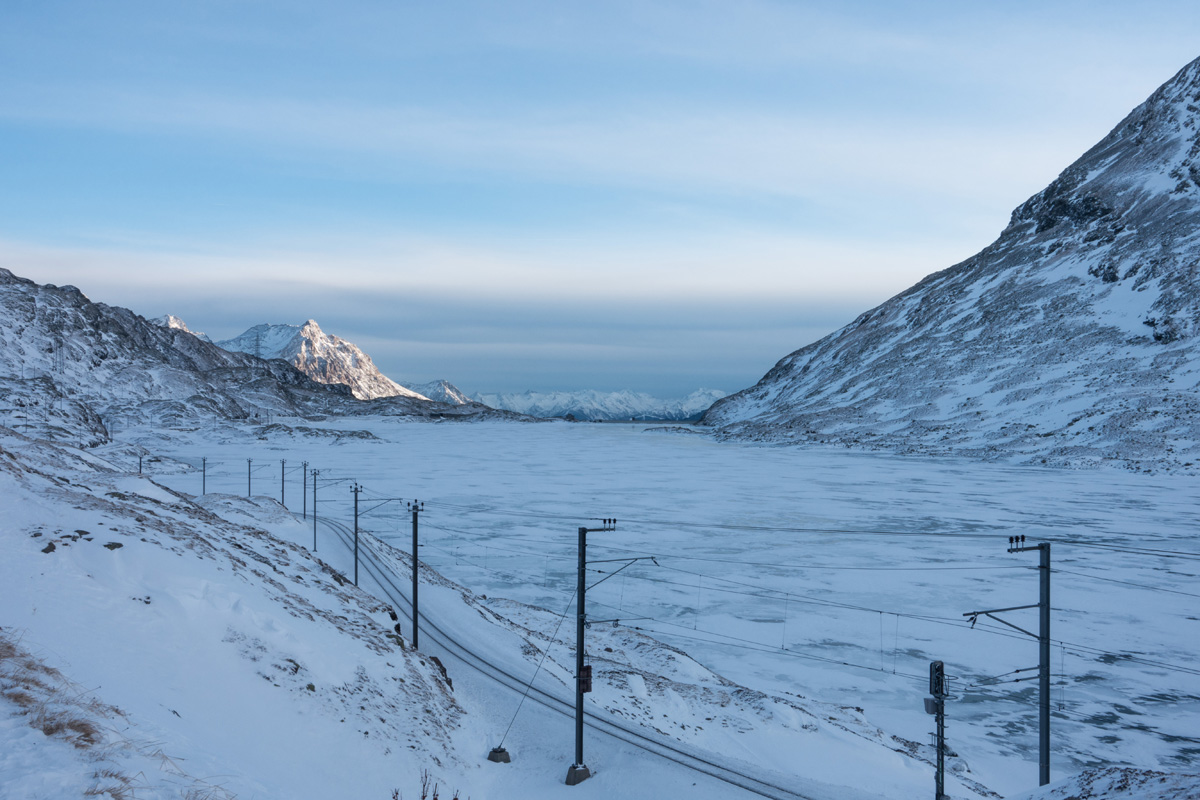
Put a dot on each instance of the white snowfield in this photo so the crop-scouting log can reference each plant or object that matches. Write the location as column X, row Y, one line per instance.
column 172, row 642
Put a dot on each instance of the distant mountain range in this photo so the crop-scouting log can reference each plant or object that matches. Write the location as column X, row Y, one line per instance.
column 1070, row 340
column 332, row 360
column 594, row 406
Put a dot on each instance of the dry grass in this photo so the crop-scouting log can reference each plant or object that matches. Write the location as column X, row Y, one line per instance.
column 82, row 733
column 65, row 711
column 52, row 704
column 111, row 783
column 19, row 698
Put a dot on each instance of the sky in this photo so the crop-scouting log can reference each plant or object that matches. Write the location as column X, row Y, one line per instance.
column 657, row 195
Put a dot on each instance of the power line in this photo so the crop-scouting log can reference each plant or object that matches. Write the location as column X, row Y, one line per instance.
column 1126, row 583
column 1081, row 650
column 477, row 509
column 811, row 566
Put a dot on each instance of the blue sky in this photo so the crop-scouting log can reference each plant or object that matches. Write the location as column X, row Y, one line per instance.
column 546, row 195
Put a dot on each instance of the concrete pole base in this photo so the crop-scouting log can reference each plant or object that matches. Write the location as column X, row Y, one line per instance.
column 499, row 755
column 578, row 773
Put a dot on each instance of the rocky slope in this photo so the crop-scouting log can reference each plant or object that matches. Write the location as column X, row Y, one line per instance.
column 321, row 356
column 1070, row 340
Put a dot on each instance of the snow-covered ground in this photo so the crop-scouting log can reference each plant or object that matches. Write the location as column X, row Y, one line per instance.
column 820, row 581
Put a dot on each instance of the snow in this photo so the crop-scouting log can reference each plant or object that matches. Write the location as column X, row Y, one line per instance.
column 807, row 623
column 1114, row 783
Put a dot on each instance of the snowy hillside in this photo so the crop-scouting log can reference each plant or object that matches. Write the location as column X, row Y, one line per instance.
column 594, row 405
column 321, row 356
column 1071, row 340
column 155, row 645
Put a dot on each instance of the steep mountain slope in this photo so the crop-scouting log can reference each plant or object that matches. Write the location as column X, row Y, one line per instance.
column 69, row 368
column 593, row 405
column 321, row 356
column 1069, row 340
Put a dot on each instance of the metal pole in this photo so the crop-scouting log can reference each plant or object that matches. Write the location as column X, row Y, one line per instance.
column 417, row 509
column 249, row 461
column 936, row 705
column 1016, row 544
column 139, row 465
column 579, row 770
column 282, row 483
column 583, row 674
column 941, row 749
column 1044, row 666
column 204, row 475
column 356, row 489
column 315, row 472
column 304, row 487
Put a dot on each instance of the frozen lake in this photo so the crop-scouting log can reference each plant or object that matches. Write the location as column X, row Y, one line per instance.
column 831, row 574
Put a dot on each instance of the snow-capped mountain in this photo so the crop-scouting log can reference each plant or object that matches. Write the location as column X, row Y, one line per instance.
column 71, row 368
column 441, row 391
column 594, row 405
column 1069, row 340
column 66, row 361
column 172, row 321
column 321, row 356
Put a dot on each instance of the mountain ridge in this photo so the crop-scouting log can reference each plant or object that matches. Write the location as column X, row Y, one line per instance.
column 1069, row 340
column 71, row 369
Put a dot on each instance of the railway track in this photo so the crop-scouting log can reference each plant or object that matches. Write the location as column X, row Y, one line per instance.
column 677, row 752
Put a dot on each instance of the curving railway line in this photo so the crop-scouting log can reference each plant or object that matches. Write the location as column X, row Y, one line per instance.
column 677, row 752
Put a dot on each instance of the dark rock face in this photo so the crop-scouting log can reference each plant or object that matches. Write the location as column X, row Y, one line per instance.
column 1069, row 340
